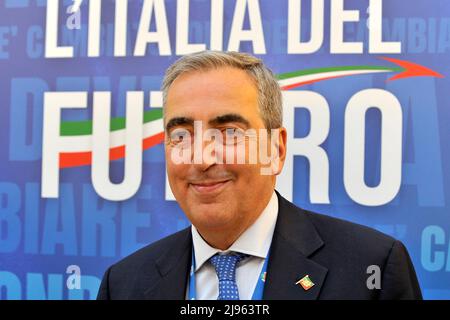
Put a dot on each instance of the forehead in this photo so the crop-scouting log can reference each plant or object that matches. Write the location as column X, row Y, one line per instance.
column 209, row 93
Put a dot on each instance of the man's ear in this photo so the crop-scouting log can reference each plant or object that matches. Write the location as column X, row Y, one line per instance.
column 281, row 147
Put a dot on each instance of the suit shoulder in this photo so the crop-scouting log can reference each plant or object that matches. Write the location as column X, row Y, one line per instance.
column 335, row 229
column 132, row 276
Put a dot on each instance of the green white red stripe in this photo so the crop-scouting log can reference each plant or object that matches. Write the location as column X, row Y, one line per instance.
column 300, row 78
column 77, row 144
column 303, row 77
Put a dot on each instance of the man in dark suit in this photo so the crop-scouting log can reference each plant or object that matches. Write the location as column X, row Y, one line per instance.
column 246, row 241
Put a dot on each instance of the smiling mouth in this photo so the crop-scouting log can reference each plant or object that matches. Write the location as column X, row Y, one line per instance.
column 209, row 187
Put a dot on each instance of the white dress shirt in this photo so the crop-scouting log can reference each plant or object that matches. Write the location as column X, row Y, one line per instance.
column 255, row 241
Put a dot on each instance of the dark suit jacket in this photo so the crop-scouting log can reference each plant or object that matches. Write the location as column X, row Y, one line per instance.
column 334, row 253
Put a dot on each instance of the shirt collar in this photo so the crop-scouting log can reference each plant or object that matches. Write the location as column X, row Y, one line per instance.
column 255, row 241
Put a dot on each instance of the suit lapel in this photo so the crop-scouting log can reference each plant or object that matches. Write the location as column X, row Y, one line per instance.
column 172, row 271
column 295, row 239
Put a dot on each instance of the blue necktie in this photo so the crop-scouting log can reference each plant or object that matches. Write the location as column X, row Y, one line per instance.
column 225, row 265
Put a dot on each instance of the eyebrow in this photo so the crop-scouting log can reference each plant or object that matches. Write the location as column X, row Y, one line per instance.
column 179, row 121
column 227, row 118
column 222, row 119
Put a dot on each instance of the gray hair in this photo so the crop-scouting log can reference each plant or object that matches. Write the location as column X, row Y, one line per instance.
column 269, row 93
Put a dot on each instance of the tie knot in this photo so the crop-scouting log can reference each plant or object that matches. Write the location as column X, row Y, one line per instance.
column 225, row 265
